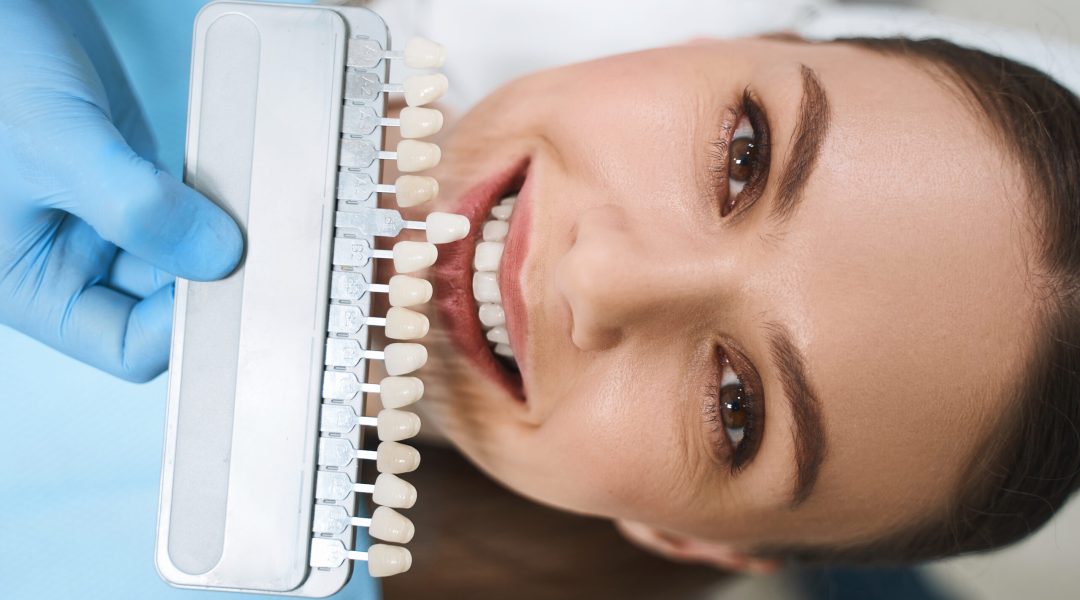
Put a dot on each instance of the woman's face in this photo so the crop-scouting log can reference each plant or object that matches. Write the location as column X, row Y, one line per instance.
column 758, row 292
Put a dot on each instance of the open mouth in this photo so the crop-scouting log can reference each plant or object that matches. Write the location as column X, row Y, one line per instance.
column 477, row 293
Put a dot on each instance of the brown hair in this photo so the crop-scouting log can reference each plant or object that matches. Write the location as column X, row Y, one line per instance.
column 1029, row 465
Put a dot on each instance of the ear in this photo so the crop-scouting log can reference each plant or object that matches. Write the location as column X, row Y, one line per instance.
column 684, row 548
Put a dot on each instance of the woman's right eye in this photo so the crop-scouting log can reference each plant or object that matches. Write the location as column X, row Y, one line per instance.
column 744, row 156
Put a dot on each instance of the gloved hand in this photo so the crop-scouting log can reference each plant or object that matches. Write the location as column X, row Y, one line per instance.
column 91, row 233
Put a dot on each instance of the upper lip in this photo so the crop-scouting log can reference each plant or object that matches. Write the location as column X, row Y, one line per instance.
column 453, row 273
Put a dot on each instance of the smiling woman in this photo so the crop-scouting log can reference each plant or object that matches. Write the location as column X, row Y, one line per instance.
column 765, row 298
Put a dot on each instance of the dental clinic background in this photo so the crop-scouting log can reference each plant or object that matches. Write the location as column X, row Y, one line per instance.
column 80, row 450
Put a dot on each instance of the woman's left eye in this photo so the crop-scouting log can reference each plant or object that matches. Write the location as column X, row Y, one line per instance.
column 742, row 159
column 735, row 415
column 732, row 406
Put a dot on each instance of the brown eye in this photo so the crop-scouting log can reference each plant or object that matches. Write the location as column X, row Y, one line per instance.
column 743, row 158
column 734, row 411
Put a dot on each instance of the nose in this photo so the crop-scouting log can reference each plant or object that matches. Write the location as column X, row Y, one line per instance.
column 620, row 274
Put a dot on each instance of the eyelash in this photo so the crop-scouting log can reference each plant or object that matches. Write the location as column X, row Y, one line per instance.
column 750, row 109
column 736, row 454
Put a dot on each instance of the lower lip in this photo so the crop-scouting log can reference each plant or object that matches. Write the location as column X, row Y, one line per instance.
column 453, row 272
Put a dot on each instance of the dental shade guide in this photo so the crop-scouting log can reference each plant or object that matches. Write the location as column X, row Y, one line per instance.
column 265, row 419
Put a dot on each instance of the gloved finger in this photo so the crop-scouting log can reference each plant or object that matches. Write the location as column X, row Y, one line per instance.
column 124, row 108
column 117, row 334
column 143, row 210
column 136, row 277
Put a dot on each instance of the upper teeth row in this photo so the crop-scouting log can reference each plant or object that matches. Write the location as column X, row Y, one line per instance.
column 486, row 263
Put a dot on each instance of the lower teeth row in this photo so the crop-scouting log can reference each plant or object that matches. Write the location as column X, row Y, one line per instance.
column 486, row 264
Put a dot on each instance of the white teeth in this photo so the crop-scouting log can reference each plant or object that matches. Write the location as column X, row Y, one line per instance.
column 486, row 262
column 492, row 315
column 498, row 335
column 485, row 287
column 488, row 256
column 495, row 231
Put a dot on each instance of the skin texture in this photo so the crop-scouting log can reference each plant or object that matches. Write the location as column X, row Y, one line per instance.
column 903, row 279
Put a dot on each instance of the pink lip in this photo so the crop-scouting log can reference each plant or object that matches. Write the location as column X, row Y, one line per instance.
column 453, row 275
column 514, row 252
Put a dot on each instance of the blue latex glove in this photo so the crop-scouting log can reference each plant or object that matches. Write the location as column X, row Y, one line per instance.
column 91, row 232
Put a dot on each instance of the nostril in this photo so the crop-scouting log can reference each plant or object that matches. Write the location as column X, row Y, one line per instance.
column 580, row 279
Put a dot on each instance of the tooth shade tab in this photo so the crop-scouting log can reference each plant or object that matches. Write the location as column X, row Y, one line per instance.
column 443, row 228
column 404, row 324
column 411, row 155
column 424, row 89
column 408, row 291
column 413, row 256
column 411, row 190
column 383, row 560
column 357, row 189
column 398, row 392
column 389, row 525
column 418, row 122
column 420, row 53
column 388, row 489
column 403, row 358
column 414, row 155
column 385, row 523
column 393, row 491
column 392, row 457
column 362, row 87
column 395, row 425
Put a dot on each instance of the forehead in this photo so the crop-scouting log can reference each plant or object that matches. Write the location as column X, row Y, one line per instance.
column 905, row 279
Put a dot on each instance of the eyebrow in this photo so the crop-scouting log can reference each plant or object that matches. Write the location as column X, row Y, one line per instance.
column 810, row 443
column 811, row 130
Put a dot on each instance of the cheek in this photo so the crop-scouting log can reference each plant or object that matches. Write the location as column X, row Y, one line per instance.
column 615, row 444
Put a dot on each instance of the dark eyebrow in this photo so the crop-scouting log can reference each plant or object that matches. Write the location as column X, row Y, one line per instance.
column 811, row 129
column 809, row 431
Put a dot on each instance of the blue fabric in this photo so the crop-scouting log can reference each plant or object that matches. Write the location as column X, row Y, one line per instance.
column 80, row 450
